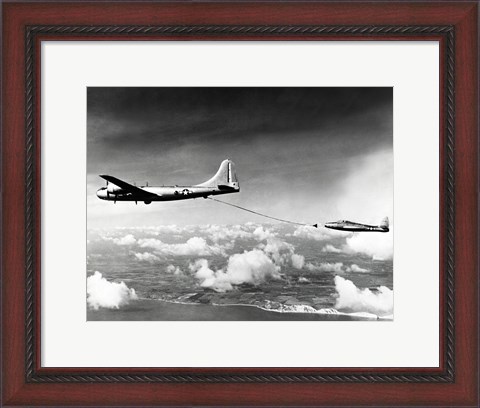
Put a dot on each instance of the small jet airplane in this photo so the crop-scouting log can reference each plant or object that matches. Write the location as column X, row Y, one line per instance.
column 344, row 225
column 223, row 182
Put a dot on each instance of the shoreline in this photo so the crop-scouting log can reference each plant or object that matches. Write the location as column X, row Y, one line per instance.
column 162, row 310
column 323, row 311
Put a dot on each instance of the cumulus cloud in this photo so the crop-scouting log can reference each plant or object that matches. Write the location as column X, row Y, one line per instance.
column 262, row 234
column 146, row 256
column 216, row 280
column 252, row 267
column 356, row 268
column 111, row 295
column 224, row 232
column 174, row 270
column 298, row 261
column 128, row 239
column 169, row 229
column 377, row 245
column 326, row 267
column 195, row 246
column 379, row 302
column 232, row 232
column 331, row 249
column 308, row 232
column 280, row 251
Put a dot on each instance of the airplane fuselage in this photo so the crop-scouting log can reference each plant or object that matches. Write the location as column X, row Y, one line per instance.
column 164, row 193
column 355, row 227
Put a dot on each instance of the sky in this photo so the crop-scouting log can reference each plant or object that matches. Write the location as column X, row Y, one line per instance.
column 310, row 155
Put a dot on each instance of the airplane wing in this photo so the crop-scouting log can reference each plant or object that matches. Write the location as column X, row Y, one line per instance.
column 128, row 187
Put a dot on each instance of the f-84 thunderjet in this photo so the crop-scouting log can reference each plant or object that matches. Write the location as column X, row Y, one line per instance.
column 344, row 225
column 223, row 182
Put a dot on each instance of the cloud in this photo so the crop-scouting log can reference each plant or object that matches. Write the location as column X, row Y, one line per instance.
column 174, row 270
column 216, row 280
column 195, row 246
column 308, row 232
column 128, row 239
column 253, row 267
column 280, row 251
column 111, row 295
column 146, row 256
column 298, row 261
column 330, row 248
column 171, row 229
column 356, row 268
column 377, row 245
column 224, row 232
column 326, row 267
column 379, row 302
column 232, row 232
column 262, row 234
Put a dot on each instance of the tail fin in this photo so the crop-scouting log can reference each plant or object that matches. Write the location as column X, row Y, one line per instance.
column 224, row 178
column 385, row 223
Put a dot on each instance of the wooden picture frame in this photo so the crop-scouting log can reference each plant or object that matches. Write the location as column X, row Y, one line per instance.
column 453, row 24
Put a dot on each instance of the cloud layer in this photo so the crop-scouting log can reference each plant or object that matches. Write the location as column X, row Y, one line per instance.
column 230, row 258
column 195, row 246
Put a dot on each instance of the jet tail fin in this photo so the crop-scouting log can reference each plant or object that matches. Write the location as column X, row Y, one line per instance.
column 385, row 223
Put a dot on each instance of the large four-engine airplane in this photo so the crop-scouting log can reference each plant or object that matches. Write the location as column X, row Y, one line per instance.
column 223, row 182
column 344, row 225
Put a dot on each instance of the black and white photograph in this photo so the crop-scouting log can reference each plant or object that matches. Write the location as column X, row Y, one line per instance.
column 239, row 204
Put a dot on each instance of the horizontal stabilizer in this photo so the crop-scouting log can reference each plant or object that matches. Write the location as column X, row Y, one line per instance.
column 225, row 187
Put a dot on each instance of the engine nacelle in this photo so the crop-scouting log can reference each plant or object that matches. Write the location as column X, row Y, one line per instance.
column 113, row 189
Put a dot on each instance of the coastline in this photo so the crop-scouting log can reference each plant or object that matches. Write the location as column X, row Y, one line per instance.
column 160, row 310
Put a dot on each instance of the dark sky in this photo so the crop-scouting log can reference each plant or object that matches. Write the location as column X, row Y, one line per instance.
column 296, row 150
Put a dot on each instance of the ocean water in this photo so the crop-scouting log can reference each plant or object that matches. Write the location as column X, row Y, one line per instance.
column 238, row 272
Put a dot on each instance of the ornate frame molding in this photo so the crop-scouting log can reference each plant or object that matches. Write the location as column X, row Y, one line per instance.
column 32, row 270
